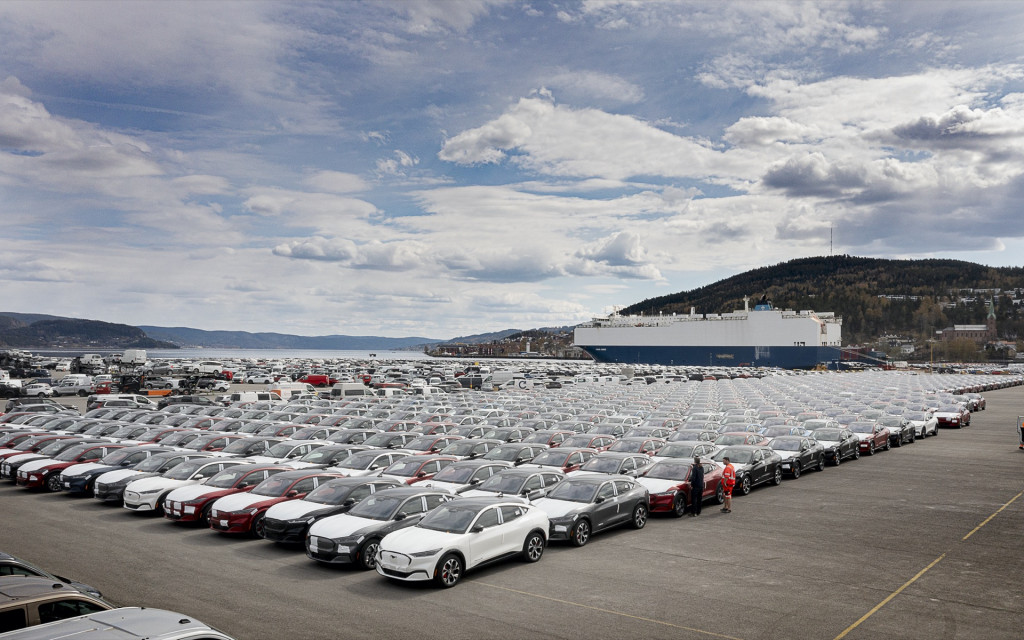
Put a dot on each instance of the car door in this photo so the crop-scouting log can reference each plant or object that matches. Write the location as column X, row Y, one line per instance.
column 606, row 506
column 485, row 537
column 626, row 498
column 758, row 469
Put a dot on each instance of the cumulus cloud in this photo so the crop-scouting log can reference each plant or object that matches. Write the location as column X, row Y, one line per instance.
column 335, row 182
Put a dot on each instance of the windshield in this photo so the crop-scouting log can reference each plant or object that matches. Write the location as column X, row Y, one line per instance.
column 627, row 446
column 242, row 445
column 550, row 458
column 455, row 474
column 727, row 440
column 449, row 518
column 380, row 440
column 828, row 435
column 329, row 493
column 360, row 460
column 677, row 450
column 502, row 484
column 180, row 437
column 280, row 450
column 377, row 507
column 154, row 463
column 786, row 445
column 185, row 469
column 891, row 421
column 325, row 454
column 56, row 447
column 508, row 454
column 115, row 457
column 602, row 465
column 273, row 487
column 577, row 441
column 862, row 427
column 228, row 477
column 420, row 444
column 464, row 448
column 670, row 471
column 917, row 416
column 70, row 454
column 574, row 491
column 741, row 456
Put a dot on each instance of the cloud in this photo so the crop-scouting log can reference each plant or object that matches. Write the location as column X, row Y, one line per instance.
column 335, row 182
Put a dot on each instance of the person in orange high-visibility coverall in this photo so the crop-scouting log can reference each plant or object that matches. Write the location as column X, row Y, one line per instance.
column 729, row 478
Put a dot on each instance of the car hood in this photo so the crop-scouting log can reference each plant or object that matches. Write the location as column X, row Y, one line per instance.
column 786, row 455
column 23, row 458
column 86, row 467
column 38, row 463
column 659, row 485
column 829, row 443
column 343, row 525
column 156, row 482
column 415, row 539
column 239, row 501
column 293, row 509
column 193, row 491
column 118, row 474
column 558, row 508
column 266, row 460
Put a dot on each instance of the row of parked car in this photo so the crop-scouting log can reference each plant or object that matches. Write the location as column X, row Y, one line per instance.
column 428, row 488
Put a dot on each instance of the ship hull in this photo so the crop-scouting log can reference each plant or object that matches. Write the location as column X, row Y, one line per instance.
column 715, row 356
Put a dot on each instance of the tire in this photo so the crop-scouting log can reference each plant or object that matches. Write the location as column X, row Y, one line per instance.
column 204, row 515
column 82, row 393
column 936, row 432
column 838, row 459
column 899, row 440
column 871, row 449
column 913, row 437
column 533, row 547
column 448, row 571
column 821, row 463
column 259, row 526
column 856, row 453
column 639, row 518
column 368, row 553
column 777, row 478
column 720, row 494
column 52, row 483
column 796, row 469
column 580, row 533
column 744, row 485
column 679, row 506
column 888, row 444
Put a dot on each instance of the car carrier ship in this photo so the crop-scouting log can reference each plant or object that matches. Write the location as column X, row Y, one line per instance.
column 762, row 337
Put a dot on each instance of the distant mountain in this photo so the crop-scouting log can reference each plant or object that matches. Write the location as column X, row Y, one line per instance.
column 187, row 337
column 483, row 338
column 34, row 331
column 874, row 296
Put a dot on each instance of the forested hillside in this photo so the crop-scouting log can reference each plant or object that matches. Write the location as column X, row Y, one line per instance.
column 875, row 297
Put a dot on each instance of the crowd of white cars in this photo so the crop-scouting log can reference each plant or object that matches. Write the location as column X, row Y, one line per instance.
column 427, row 488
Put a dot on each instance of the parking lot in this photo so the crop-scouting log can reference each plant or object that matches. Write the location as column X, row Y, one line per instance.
column 923, row 541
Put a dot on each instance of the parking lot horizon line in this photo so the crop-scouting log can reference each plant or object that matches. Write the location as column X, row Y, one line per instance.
column 920, row 573
column 611, row 611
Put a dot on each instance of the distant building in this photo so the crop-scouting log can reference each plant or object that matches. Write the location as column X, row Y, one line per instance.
column 980, row 333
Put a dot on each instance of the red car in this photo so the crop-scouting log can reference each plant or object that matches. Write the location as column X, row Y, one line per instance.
column 29, row 443
column 318, row 380
column 954, row 416
column 669, row 484
column 244, row 512
column 192, row 503
column 873, row 436
column 45, row 472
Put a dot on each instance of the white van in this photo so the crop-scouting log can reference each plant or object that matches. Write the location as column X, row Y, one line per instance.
column 350, row 389
column 288, row 389
column 254, row 396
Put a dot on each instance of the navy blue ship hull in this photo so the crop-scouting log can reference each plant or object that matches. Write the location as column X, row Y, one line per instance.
column 782, row 357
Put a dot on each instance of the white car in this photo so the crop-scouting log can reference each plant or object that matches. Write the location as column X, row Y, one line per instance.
column 147, row 494
column 37, row 389
column 924, row 424
column 288, row 450
column 368, row 462
column 462, row 535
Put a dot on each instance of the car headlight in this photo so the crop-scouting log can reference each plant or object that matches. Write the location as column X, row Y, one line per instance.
column 149, row 492
column 425, row 554
column 665, row 494
column 251, row 510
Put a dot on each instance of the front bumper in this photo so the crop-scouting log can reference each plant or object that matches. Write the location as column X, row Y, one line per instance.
column 76, row 484
column 31, row 479
column 660, row 502
column 108, row 493
column 402, row 567
column 231, row 521
column 327, row 550
column 285, row 531
column 183, row 511
column 141, row 501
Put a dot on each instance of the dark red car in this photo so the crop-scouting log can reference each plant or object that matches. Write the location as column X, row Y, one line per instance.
column 244, row 512
column 45, row 472
column 565, row 459
column 412, row 469
column 192, row 503
column 669, row 484
column 873, row 436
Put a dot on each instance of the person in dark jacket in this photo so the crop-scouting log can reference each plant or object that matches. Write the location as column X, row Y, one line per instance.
column 696, row 487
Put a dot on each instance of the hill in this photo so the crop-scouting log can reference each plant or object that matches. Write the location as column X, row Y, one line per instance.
column 187, row 337
column 875, row 297
column 35, row 331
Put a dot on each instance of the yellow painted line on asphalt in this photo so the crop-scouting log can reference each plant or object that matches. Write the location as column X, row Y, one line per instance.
column 921, row 572
column 610, row 611
column 992, row 516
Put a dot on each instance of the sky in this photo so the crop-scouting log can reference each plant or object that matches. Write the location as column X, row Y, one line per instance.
column 443, row 168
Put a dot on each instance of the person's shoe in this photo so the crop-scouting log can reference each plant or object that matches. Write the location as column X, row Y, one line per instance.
column 726, row 510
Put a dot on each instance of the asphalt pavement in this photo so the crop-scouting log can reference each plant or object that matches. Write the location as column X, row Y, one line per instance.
column 921, row 542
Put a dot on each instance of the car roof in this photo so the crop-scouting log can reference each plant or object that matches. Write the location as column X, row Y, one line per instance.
column 125, row 623
column 401, row 492
column 14, row 588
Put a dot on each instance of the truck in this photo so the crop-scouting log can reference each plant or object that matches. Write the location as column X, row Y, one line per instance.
column 75, row 384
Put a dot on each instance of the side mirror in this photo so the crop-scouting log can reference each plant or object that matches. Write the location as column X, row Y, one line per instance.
column 292, row 493
column 349, row 502
column 476, row 529
column 598, row 500
column 401, row 516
